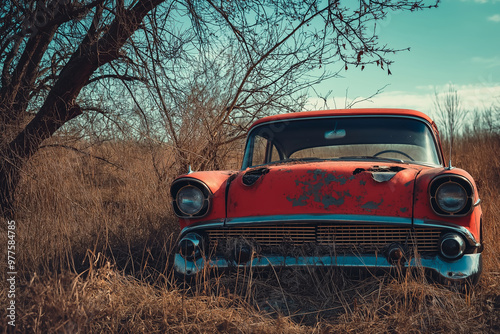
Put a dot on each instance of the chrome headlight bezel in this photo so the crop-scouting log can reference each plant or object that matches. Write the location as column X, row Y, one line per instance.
column 454, row 240
column 462, row 188
column 191, row 246
column 199, row 192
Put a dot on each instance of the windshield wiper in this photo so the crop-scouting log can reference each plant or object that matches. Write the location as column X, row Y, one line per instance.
column 371, row 157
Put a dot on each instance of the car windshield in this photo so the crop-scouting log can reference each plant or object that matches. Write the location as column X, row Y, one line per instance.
column 397, row 139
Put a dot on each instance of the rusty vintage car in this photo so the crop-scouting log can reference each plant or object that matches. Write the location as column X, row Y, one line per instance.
column 357, row 188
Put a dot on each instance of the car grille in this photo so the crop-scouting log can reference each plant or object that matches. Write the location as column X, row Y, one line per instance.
column 339, row 236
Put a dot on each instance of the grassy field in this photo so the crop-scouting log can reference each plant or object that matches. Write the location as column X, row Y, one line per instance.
column 94, row 239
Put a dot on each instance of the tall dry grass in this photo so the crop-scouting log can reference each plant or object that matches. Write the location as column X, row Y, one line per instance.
column 94, row 242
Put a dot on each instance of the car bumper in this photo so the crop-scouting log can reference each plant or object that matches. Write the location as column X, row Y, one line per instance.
column 467, row 268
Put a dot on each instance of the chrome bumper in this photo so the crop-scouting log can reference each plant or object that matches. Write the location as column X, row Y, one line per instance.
column 468, row 266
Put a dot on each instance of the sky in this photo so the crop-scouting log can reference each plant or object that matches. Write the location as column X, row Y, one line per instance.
column 456, row 44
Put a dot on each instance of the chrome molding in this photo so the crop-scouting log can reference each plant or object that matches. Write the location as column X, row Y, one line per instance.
column 311, row 218
column 457, row 228
column 202, row 226
column 468, row 266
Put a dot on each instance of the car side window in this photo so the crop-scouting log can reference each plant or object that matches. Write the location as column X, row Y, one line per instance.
column 264, row 151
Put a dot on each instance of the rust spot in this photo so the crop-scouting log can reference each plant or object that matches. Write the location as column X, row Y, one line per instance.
column 372, row 205
column 327, row 177
column 314, row 190
column 301, row 201
column 328, row 200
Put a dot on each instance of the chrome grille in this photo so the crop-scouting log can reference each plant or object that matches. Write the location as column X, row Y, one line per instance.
column 267, row 235
column 339, row 236
column 376, row 236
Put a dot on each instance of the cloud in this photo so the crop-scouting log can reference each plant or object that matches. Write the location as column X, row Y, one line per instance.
column 487, row 62
column 481, row 1
column 473, row 96
column 494, row 18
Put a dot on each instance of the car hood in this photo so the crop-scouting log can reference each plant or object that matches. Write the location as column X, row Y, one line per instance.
column 327, row 187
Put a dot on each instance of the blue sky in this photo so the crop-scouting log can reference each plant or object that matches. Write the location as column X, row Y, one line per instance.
column 458, row 43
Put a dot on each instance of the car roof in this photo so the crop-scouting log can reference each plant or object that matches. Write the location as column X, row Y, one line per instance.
column 345, row 112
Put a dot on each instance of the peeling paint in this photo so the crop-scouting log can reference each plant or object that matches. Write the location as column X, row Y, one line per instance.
column 315, row 190
column 301, row 201
column 335, row 189
column 372, row 205
column 403, row 210
column 328, row 200
column 327, row 177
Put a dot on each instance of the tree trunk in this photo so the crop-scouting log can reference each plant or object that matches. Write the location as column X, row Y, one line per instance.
column 60, row 107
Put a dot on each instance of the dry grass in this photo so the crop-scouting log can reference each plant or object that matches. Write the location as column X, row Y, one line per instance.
column 93, row 251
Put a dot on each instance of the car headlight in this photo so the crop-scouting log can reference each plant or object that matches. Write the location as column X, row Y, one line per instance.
column 191, row 246
column 190, row 200
column 452, row 246
column 451, row 197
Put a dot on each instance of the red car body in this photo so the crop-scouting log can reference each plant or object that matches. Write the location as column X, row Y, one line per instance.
column 364, row 211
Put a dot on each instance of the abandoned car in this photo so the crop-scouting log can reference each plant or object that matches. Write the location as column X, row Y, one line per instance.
column 357, row 188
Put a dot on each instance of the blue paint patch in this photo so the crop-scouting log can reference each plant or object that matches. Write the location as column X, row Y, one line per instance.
column 372, row 205
column 328, row 200
column 301, row 201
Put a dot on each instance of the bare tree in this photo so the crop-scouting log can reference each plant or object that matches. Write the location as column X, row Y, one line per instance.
column 255, row 58
column 451, row 116
column 59, row 58
column 29, row 31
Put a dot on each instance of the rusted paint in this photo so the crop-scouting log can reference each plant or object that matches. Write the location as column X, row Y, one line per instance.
column 323, row 187
column 328, row 200
column 372, row 205
column 301, row 201
column 328, row 176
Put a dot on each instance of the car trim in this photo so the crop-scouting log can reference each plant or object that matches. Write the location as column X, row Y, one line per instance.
column 469, row 266
column 202, row 225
